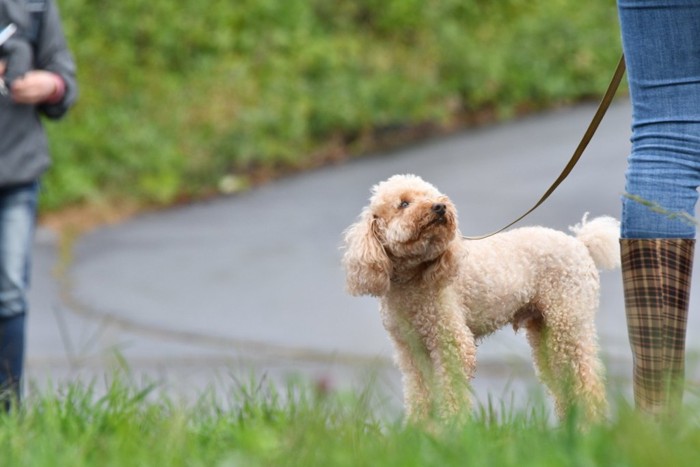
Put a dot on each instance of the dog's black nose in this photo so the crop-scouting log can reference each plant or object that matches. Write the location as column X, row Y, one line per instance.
column 439, row 209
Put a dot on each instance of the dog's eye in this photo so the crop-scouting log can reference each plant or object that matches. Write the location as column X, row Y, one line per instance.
column 404, row 204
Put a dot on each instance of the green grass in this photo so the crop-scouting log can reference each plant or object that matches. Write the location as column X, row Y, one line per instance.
column 136, row 425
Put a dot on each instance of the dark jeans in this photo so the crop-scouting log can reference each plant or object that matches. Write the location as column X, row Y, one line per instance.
column 11, row 359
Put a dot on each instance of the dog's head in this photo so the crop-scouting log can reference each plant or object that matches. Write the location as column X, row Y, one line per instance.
column 404, row 233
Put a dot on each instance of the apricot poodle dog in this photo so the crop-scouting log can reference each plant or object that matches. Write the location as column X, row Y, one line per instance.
column 441, row 293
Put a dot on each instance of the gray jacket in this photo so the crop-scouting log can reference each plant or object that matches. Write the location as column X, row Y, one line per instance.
column 24, row 152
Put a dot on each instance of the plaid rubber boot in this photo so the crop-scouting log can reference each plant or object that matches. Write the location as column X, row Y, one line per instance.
column 656, row 277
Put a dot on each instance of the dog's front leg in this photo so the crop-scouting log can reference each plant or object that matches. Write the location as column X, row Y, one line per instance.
column 452, row 352
column 416, row 371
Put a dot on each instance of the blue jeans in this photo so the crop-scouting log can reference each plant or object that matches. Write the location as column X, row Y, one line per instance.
column 661, row 41
column 17, row 219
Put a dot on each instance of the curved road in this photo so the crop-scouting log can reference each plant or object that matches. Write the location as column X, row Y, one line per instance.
column 205, row 295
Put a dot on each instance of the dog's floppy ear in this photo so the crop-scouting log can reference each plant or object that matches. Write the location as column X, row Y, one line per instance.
column 367, row 267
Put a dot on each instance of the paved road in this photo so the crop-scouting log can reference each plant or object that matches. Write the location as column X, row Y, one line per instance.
column 201, row 296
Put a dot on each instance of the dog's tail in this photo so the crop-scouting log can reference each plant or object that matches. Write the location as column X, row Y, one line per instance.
column 602, row 238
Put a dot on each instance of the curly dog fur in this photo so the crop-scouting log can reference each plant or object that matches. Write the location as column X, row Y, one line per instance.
column 440, row 293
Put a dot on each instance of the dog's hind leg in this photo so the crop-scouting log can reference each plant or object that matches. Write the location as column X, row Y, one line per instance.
column 536, row 338
column 566, row 355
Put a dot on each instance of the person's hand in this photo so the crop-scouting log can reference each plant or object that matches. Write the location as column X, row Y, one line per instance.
column 33, row 88
column 2, row 68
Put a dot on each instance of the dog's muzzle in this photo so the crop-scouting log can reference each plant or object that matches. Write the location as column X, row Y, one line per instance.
column 439, row 209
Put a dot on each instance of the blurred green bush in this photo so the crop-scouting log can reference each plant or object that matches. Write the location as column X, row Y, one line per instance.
column 177, row 95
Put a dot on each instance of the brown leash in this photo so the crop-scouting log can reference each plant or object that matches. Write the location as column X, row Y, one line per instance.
column 587, row 136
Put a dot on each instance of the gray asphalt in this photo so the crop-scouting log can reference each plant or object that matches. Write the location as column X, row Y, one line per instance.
column 202, row 297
